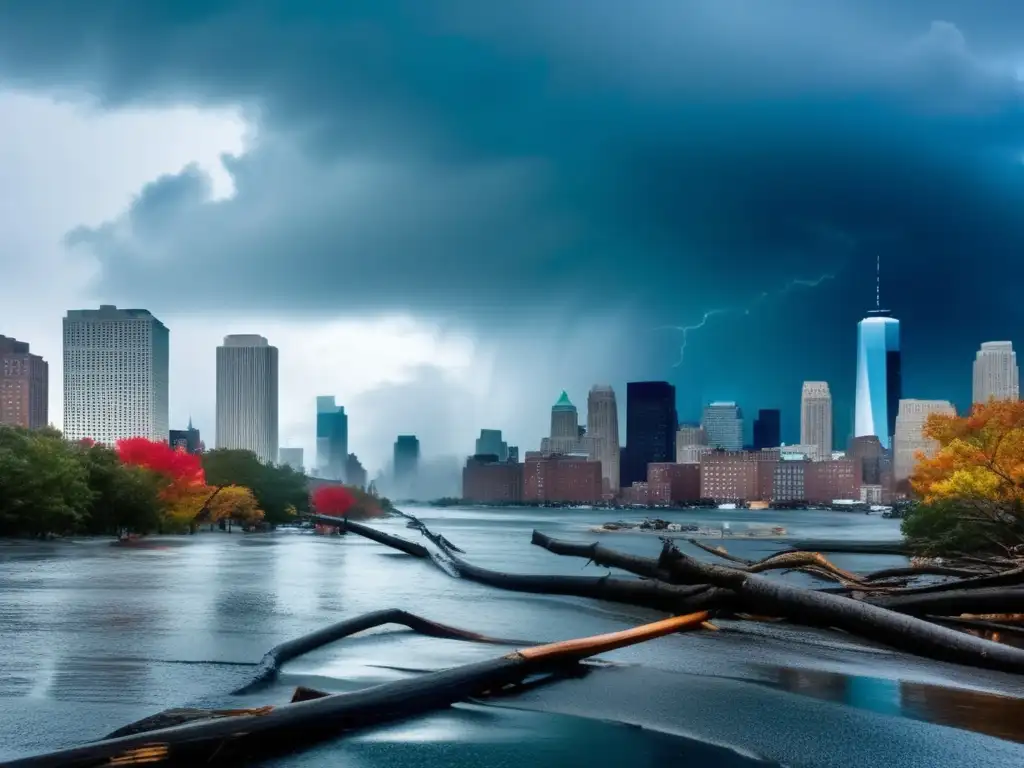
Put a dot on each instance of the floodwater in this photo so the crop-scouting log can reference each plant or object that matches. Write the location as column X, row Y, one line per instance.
column 94, row 636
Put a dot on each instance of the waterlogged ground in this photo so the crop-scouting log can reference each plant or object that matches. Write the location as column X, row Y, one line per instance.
column 94, row 636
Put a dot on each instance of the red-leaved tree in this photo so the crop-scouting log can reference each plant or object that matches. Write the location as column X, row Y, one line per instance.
column 333, row 500
column 185, row 490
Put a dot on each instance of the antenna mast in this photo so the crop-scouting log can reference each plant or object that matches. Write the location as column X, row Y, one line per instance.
column 878, row 281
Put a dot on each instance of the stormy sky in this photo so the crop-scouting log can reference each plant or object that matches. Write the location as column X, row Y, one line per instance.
column 447, row 212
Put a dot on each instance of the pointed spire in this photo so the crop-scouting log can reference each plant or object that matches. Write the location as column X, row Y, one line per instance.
column 563, row 401
column 190, row 427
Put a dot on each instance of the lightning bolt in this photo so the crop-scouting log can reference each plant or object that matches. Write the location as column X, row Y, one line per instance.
column 686, row 330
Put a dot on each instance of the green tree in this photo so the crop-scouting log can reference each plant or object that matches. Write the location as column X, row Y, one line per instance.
column 125, row 497
column 276, row 488
column 44, row 487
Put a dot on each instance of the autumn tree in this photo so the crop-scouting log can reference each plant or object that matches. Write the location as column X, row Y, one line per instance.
column 280, row 491
column 183, row 488
column 972, row 489
column 333, row 500
column 235, row 502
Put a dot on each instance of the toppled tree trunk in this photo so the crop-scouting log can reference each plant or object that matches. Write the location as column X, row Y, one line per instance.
column 953, row 602
column 279, row 654
column 642, row 566
column 396, row 542
column 648, row 594
column 857, row 617
column 234, row 739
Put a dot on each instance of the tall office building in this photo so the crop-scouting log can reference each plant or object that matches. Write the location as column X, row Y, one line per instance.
column 331, row 438
column 490, row 444
column 909, row 437
column 406, row 459
column 996, row 375
column 24, row 385
column 767, row 429
column 566, row 433
column 603, row 430
column 247, row 396
column 691, row 443
column 291, row 457
column 879, row 375
column 816, row 419
column 651, row 424
column 116, row 365
column 723, row 424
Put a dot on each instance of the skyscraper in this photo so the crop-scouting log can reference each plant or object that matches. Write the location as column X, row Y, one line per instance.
column 247, row 396
column 909, row 438
column 996, row 375
column 691, row 443
column 331, row 438
column 188, row 439
column 767, row 429
column 490, row 444
column 406, row 459
column 116, row 364
column 651, row 424
column 603, row 430
column 723, row 424
column 291, row 457
column 879, row 378
column 816, row 419
column 565, row 429
column 24, row 385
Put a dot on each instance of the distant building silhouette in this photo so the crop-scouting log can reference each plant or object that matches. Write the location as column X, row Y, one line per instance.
column 909, row 437
column 355, row 474
column 406, row 458
column 723, row 424
column 767, row 429
column 331, row 438
column 291, row 457
column 490, row 442
column 651, row 424
column 187, row 439
column 996, row 375
column 488, row 480
column 24, row 386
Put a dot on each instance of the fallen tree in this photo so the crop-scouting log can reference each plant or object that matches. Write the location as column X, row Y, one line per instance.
column 240, row 735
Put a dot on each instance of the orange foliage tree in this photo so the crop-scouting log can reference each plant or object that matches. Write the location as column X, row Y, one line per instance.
column 235, row 502
column 977, row 476
column 184, row 490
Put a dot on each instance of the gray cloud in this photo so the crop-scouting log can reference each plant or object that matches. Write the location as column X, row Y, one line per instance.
column 473, row 160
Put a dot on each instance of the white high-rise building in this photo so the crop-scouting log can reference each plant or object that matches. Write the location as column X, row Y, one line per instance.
column 247, row 396
column 816, row 419
column 910, row 419
column 603, row 430
column 723, row 425
column 691, row 443
column 996, row 374
column 116, row 365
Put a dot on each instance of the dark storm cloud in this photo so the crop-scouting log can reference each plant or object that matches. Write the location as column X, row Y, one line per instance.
column 470, row 158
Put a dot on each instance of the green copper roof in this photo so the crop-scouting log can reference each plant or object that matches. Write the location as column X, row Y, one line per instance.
column 563, row 401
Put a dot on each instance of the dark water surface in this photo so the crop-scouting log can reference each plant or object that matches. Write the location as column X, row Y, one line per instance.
column 94, row 636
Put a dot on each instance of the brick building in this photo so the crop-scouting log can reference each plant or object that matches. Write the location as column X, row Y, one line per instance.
column 671, row 483
column 828, row 481
column 559, row 478
column 485, row 480
column 24, row 385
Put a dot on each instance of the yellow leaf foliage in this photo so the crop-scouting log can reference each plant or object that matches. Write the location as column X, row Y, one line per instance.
column 235, row 502
column 980, row 455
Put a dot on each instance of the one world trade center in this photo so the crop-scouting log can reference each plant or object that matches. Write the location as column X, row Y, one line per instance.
column 879, row 379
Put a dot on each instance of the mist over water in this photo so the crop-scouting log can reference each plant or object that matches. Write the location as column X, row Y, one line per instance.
column 93, row 636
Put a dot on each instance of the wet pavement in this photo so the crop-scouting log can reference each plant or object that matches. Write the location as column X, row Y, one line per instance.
column 93, row 636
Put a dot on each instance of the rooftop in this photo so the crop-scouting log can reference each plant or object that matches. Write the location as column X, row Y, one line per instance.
column 564, row 401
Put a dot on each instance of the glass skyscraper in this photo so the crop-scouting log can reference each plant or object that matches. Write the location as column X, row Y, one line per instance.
column 879, row 379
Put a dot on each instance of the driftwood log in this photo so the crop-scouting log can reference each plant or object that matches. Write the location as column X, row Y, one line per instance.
column 246, row 734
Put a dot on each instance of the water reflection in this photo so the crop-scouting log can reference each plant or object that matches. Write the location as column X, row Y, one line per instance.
column 987, row 713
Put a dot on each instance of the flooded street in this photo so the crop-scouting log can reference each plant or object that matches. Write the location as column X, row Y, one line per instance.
column 93, row 636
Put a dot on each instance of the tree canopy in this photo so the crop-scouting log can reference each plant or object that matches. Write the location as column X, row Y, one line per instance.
column 280, row 491
column 972, row 489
